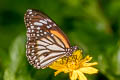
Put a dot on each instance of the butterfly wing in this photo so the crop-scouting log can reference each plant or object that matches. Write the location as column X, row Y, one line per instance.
column 45, row 40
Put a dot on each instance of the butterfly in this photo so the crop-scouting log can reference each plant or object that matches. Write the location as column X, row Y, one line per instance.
column 46, row 42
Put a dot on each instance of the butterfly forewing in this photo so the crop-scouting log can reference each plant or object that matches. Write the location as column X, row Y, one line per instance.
column 45, row 41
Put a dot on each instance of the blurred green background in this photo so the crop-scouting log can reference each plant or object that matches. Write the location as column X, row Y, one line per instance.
column 93, row 25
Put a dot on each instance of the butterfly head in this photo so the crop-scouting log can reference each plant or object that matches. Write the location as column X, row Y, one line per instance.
column 74, row 48
column 71, row 50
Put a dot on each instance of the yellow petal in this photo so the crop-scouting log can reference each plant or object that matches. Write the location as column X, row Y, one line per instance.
column 57, row 72
column 90, row 64
column 57, row 66
column 77, row 55
column 81, row 76
column 73, row 75
column 85, row 60
column 76, row 52
column 88, row 70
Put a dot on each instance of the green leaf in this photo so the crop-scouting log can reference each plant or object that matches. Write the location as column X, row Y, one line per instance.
column 17, row 52
column 8, row 75
column 116, row 61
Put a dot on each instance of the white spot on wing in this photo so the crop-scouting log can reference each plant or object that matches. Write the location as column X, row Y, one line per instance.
column 42, row 21
column 37, row 32
column 33, row 50
column 38, row 24
column 41, row 34
column 32, row 30
column 29, row 30
column 52, row 35
column 49, row 26
column 49, row 20
column 33, row 34
column 54, row 24
column 32, row 27
column 36, row 60
column 28, row 35
column 30, row 12
column 32, row 53
column 45, row 32
column 38, row 28
column 38, row 35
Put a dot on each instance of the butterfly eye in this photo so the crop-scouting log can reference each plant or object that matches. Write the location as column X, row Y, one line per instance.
column 46, row 42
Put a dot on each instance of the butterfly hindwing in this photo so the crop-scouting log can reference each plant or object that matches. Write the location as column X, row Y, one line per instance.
column 48, row 51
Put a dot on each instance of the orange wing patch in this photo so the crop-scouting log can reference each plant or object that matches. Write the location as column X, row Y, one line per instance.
column 61, row 37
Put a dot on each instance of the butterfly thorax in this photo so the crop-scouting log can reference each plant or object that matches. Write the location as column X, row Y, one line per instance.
column 71, row 50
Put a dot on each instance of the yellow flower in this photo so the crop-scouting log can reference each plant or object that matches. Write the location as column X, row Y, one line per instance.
column 75, row 65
